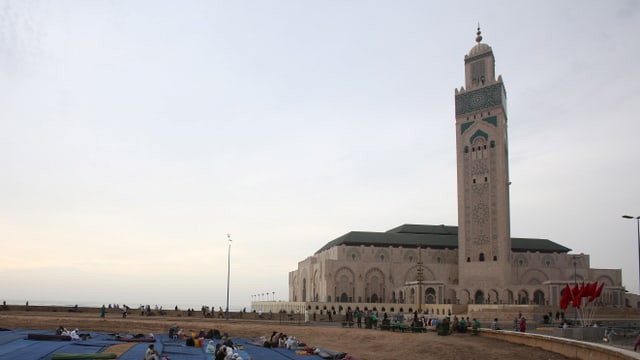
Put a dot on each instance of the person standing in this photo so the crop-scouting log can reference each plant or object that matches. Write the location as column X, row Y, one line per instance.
column 103, row 312
column 523, row 324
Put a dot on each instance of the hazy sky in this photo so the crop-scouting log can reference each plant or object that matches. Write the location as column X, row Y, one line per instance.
column 134, row 135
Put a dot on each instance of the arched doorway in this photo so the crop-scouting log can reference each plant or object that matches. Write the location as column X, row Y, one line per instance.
column 538, row 297
column 479, row 297
column 523, row 297
column 430, row 297
column 492, row 297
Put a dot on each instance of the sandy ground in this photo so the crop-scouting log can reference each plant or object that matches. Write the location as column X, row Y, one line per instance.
column 366, row 344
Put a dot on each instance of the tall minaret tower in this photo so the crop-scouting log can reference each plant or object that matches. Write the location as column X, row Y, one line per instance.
column 484, row 239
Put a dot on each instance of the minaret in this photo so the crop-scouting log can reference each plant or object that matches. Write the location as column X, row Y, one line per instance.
column 484, row 240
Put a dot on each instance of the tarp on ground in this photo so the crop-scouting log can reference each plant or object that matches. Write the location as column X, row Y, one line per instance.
column 10, row 336
column 138, row 350
column 29, row 349
column 15, row 345
column 263, row 353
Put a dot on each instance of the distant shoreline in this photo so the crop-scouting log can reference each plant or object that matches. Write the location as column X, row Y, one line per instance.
column 115, row 311
column 91, row 305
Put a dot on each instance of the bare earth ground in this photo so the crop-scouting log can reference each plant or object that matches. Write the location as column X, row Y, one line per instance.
column 365, row 344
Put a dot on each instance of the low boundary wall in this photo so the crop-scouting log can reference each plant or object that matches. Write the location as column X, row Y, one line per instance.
column 572, row 349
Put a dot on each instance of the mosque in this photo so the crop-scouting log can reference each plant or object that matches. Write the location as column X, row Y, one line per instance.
column 476, row 262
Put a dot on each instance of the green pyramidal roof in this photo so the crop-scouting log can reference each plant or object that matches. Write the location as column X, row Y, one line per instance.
column 432, row 236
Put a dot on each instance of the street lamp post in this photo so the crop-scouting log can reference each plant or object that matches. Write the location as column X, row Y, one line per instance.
column 575, row 283
column 228, row 273
column 637, row 218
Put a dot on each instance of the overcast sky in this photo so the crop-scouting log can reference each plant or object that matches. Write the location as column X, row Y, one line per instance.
column 135, row 135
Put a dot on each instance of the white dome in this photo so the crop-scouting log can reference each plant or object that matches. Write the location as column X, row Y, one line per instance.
column 479, row 48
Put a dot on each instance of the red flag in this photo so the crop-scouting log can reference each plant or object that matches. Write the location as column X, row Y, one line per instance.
column 566, row 297
column 597, row 293
column 576, row 292
column 584, row 290
column 591, row 289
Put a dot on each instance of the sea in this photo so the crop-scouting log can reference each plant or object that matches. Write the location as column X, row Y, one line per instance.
column 134, row 305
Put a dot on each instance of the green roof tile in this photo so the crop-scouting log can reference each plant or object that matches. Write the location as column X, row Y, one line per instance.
column 431, row 236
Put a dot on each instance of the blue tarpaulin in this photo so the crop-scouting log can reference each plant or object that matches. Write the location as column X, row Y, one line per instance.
column 14, row 345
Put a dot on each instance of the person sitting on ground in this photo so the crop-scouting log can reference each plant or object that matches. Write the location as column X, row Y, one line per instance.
column 274, row 340
column 229, row 355
column 282, row 339
column 60, row 330
column 290, row 342
column 226, row 340
column 151, row 353
column 221, row 352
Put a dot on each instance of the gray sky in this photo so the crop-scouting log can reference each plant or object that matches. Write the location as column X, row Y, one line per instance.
column 134, row 135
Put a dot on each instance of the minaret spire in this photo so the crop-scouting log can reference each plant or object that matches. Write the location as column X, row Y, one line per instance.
column 478, row 36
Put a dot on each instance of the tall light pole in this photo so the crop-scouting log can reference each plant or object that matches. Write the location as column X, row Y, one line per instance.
column 228, row 273
column 575, row 283
column 637, row 218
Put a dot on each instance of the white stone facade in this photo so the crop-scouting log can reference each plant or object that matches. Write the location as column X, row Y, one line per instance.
column 475, row 263
column 388, row 275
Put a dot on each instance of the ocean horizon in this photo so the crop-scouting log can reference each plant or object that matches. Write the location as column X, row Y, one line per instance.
column 132, row 305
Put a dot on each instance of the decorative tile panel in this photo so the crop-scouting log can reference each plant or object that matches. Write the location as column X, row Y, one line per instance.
column 480, row 99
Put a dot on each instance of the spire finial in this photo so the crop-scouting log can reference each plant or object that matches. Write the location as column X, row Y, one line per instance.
column 478, row 36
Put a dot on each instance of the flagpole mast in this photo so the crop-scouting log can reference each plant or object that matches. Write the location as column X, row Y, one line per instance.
column 575, row 283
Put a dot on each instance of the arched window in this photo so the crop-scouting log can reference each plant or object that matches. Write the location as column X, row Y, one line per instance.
column 538, row 297
column 304, row 289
